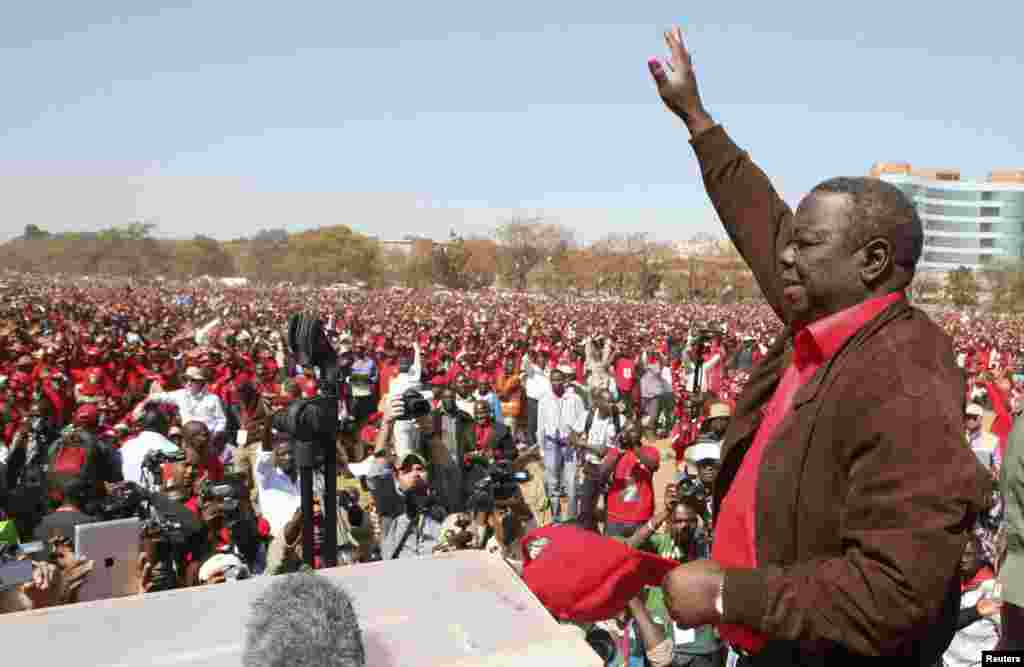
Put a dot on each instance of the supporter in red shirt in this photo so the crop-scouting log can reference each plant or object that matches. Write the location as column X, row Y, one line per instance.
column 625, row 377
column 631, row 494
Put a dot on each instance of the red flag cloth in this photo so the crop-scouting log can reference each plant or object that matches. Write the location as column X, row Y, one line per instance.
column 1003, row 423
column 583, row 577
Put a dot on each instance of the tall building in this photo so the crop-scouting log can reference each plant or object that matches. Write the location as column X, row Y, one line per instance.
column 966, row 223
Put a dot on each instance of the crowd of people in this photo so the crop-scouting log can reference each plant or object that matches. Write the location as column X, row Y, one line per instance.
column 165, row 394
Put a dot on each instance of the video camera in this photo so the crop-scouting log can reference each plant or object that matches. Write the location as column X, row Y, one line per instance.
column 124, row 502
column 229, row 492
column 154, row 460
column 165, row 543
column 500, row 484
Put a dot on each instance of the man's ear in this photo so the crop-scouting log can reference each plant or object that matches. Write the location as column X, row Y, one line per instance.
column 877, row 262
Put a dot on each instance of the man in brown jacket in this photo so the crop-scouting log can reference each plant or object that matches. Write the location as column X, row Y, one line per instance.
column 846, row 492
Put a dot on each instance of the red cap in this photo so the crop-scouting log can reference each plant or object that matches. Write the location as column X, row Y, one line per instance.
column 606, row 574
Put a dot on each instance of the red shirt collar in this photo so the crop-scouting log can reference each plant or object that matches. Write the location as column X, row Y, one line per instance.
column 818, row 341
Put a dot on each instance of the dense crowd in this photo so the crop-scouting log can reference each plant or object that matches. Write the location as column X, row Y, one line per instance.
column 157, row 400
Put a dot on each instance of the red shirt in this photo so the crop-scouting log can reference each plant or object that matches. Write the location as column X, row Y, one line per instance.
column 625, row 374
column 631, row 496
column 483, row 435
column 735, row 544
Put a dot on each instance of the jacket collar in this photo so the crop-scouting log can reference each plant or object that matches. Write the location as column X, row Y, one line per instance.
column 767, row 374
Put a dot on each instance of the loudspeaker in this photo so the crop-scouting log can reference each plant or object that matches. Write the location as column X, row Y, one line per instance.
column 466, row 609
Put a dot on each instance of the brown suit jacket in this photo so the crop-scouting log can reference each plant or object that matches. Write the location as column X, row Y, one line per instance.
column 866, row 491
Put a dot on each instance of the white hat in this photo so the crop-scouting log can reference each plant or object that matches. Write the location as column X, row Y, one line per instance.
column 703, row 451
column 975, row 409
column 221, row 562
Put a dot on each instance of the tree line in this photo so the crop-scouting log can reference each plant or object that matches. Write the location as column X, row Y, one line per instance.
column 531, row 253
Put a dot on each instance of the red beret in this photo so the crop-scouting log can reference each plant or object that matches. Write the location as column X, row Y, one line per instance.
column 606, row 574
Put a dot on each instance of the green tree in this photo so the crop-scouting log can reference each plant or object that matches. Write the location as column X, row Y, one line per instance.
column 962, row 287
column 35, row 233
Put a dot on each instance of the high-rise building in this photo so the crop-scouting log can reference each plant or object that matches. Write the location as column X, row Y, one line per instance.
column 966, row 222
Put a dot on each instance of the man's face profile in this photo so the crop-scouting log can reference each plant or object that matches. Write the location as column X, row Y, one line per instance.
column 818, row 273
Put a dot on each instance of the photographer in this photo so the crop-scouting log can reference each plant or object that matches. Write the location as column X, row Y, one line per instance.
column 411, row 518
column 27, row 467
column 229, row 527
column 153, row 438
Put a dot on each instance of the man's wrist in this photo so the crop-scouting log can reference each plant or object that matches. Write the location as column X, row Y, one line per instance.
column 697, row 121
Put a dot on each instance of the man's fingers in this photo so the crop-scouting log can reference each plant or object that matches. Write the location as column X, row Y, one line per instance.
column 674, row 39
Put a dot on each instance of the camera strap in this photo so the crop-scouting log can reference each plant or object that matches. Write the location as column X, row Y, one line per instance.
column 405, row 536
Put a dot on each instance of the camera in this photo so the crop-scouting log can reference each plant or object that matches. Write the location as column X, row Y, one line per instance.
column 154, row 460
column 124, row 502
column 166, row 542
column 500, row 484
column 229, row 492
column 416, row 404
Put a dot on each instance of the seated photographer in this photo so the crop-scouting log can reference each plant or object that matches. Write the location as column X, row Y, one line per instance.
column 155, row 425
column 229, row 527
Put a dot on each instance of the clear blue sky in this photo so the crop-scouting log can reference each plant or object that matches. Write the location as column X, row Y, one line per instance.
column 225, row 117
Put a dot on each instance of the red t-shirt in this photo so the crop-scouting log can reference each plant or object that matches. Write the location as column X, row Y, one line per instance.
column 631, row 496
column 625, row 374
column 735, row 544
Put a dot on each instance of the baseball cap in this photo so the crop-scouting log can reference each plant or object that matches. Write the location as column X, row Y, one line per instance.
column 975, row 409
column 412, row 459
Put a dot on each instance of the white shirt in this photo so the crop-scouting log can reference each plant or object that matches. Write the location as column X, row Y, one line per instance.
column 537, row 384
column 557, row 417
column 205, row 408
column 602, row 430
column 279, row 496
column 134, row 450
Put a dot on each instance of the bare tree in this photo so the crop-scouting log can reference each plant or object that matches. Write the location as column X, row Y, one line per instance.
column 524, row 243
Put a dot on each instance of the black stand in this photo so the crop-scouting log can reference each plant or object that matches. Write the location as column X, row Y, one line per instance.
column 329, row 446
column 305, row 459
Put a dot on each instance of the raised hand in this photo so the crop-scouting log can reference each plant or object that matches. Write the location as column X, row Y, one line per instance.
column 677, row 83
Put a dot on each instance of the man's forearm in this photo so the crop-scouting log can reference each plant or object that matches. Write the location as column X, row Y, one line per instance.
column 644, row 532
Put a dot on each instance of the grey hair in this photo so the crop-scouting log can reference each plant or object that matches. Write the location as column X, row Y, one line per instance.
column 303, row 620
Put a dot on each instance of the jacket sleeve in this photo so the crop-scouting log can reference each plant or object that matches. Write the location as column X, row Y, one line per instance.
column 750, row 209
column 912, row 492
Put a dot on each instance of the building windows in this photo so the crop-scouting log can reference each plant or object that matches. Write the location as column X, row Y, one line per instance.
column 960, row 227
column 1014, row 197
column 951, row 241
column 953, row 195
column 958, row 258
